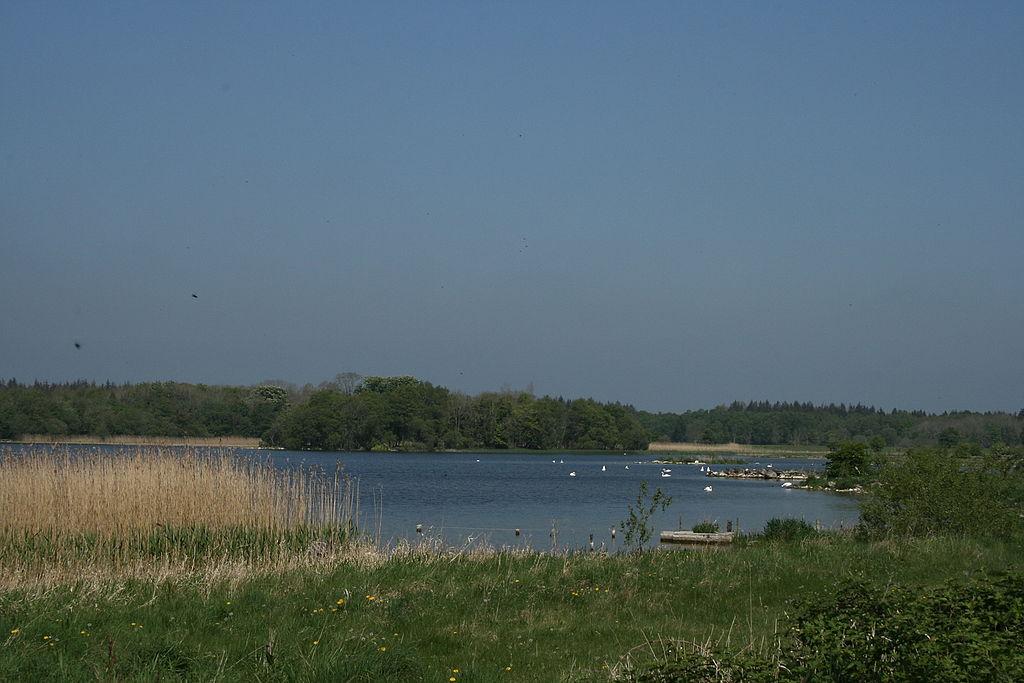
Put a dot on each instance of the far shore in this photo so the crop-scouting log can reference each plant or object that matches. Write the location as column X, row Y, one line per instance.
column 658, row 447
column 737, row 448
column 92, row 440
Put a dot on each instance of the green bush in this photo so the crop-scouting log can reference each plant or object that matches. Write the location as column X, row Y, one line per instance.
column 960, row 632
column 965, row 632
column 706, row 527
column 931, row 491
column 787, row 529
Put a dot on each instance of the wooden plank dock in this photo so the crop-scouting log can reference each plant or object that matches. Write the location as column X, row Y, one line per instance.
column 695, row 538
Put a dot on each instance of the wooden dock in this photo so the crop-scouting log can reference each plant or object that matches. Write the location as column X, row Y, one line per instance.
column 695, row 538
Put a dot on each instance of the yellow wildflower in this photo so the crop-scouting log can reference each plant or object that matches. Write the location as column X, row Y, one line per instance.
column 340, row 602
column 382, row 648
column 15, row 631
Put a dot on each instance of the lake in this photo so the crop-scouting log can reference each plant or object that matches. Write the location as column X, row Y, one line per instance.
column 467, row 498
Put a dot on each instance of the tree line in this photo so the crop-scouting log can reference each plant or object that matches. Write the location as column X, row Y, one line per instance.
column 351, row 412
column 765, row 423
column 348, row 413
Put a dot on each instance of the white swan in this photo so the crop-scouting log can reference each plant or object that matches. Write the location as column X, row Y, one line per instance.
column 627, row 467
column 708, row 489
column 602, row 468
column 572, row 474
column 665, row 474
column 561, row 462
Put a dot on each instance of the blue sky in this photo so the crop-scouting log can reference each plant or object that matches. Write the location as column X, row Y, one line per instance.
column 672, row 205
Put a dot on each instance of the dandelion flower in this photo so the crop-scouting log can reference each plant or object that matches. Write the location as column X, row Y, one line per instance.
column 316, row 642
column 455, row 671
column 15, row 631
column 340, row 602
column 46, row 637
column 508, row 668
column 451, row 679
column 382, row 648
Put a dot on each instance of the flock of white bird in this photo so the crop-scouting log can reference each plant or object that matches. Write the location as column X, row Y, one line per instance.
column 666, row 473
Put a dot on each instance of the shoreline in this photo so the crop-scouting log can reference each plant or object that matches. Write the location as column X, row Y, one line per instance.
column 669, row 447
column 135, row 440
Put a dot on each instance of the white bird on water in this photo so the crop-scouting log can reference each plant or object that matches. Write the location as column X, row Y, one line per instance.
column 627, row 467
column 708, row 489
column 603, row 468
column 561, row 462
column 787, row 485
column 572, row 474
column 665, row 474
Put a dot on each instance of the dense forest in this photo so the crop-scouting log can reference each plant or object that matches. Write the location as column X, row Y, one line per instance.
column 349, row 413
column 352, row 412
column 803, row 423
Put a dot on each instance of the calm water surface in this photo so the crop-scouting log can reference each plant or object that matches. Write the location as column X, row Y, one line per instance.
column 466, row 498
column 482, row 498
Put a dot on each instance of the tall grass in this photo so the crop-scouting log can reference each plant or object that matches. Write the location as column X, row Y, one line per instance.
column 146, row 508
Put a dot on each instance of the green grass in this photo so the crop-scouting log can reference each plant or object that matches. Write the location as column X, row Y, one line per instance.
column 420, row 616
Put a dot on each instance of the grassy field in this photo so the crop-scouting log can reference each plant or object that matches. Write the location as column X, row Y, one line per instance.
column 427, row 615
column 153, row 565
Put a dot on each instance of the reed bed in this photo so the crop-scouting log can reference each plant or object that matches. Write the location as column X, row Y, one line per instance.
column 164, row 509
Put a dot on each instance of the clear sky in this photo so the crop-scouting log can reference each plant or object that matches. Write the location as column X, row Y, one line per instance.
column 672, row 205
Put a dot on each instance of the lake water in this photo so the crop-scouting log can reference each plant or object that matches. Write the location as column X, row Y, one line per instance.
column 482, row 498
column 466, row 498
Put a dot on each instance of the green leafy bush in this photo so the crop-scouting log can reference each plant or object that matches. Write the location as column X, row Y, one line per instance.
column 706, row 527
column 931, row 491
column 787, row 529
column 968, row 631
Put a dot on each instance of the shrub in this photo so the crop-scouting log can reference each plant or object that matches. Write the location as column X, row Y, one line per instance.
column 848, row 459
column 636, row 527
column 960, row 632
column 787, row 529
column 933, row 492
column 706, row 527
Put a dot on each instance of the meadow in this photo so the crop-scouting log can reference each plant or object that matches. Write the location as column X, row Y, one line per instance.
column 145, row 565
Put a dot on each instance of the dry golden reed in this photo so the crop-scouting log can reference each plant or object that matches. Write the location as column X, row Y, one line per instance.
column 163, row 507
